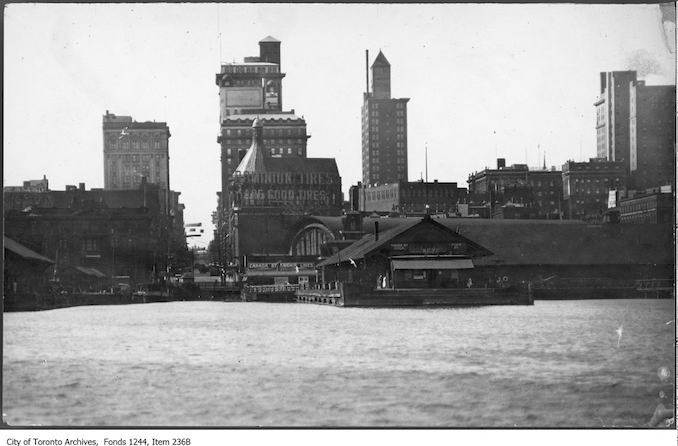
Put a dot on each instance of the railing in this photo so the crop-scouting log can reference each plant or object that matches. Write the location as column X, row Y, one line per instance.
column 271, row 288
column 320, row 286
column 654, row 284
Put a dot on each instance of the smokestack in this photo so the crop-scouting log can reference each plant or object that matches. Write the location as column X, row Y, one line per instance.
column 367, row 72
column 426, row 160
column 376, row 231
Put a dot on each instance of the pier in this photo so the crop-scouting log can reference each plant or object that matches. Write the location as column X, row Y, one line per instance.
column 352, row 295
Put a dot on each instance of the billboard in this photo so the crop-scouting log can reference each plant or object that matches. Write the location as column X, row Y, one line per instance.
column 612, row 199
column 244, row 97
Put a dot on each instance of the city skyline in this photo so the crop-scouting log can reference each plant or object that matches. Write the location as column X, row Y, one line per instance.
column 485, row 81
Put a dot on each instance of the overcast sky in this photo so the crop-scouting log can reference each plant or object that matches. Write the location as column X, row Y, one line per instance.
column 484, row 81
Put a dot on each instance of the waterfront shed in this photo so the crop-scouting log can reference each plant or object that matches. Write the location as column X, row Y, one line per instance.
column 420, row 253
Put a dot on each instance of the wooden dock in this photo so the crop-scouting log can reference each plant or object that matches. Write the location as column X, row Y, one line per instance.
column 269, row 293
column 353, row 296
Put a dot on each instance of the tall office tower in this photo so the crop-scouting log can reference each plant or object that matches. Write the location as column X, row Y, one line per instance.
column 251, row 89
column 653, row 135
column 612, row 116
column 384, row 128
column 133, row 151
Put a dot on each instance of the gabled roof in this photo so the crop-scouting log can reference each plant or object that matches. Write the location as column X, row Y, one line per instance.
column 381, row 60
column 367, row 244
column 22, row 251
column 269, row 39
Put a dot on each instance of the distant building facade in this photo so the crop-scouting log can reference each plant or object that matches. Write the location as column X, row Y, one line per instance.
column 612, row 116
column 384, row 129
column 653, row 207
column 652, row 124
column 248, row 90
column 123, row 234
column 30, row 186
column 263, row 184
column 135, row 150
column 285, row 135
column 410, row 198
column 586, row 186
column 515, row 191
column 635, row 124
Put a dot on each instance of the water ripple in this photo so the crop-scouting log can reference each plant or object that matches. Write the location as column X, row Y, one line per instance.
column 235, row 364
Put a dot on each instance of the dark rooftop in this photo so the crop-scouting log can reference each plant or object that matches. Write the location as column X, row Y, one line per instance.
column 381, row 60
column 269, row 39
column 302, row 165
column 544, row 242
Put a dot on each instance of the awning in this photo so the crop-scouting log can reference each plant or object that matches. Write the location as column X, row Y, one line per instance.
column 90, row 271
column 269, row 273
column 432, row 263
column 97, row 273
column 22, row 251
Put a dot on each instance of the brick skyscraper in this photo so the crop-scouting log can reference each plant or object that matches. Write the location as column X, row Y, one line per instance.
column 384, row 129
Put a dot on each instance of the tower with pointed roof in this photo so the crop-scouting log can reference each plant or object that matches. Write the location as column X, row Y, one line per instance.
column 262, row 184
column 381, row 77
column 253, row 161
column 384, row 129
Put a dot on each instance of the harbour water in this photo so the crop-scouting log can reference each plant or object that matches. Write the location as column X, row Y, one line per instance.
column 558, row 364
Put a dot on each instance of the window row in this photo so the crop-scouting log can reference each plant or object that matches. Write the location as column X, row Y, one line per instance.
column 126, row 144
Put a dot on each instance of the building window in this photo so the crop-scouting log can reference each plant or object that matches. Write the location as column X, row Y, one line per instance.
column 90, row 245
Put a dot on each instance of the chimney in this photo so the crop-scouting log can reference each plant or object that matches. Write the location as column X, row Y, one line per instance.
column 376, row 231
column 81, row 187
column 501, row 163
